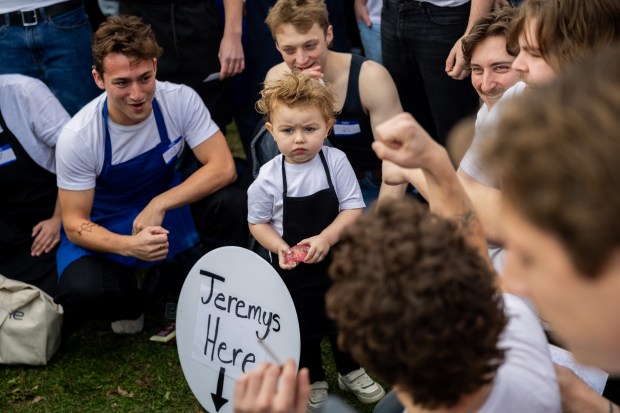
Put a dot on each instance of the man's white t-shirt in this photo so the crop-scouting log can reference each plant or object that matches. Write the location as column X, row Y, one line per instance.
column 265, row 203
column 526, row 381
column 486, row 119
column 33, row 115
column 81, row 145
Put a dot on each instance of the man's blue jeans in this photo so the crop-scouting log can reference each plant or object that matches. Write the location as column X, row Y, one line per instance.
column 416, row 38
column 56, row 51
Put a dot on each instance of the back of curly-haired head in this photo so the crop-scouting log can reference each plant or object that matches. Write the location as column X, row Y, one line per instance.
column 296, row 89
column 416, row 304
column 127, row 35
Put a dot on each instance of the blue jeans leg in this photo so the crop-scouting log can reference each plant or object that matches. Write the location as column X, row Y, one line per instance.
column 389, row 404
column 56, row 51
column 371, row 40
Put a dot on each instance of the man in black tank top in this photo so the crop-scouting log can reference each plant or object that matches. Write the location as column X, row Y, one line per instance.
column 364, row 90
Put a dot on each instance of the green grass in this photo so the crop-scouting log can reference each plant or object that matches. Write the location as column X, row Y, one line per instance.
column 96, row 370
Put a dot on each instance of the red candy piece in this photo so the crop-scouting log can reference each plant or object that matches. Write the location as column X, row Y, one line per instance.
column 298, row 254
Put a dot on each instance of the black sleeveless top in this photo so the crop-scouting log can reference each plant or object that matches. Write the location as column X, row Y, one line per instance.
column 352, row 132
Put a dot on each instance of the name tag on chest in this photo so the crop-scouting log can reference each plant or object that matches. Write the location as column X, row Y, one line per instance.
column 6, row 155
column 343, row 128
column 175, row 148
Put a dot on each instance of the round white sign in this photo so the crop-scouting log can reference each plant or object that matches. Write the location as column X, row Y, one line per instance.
column 234, row 313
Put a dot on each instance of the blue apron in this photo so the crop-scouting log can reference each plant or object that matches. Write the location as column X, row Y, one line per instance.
column 124, row 190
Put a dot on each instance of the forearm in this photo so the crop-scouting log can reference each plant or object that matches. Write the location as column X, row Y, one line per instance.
column 487, row 203
column 344, row 219
column 205, row 181
column 447, row 197
column 91, row 236
column 57, row 211
column 478, row 9
column 267, row 236
column 390, row 192
column 233, row 17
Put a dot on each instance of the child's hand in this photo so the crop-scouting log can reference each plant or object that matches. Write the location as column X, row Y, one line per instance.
column 319, row 247
column 283, row 250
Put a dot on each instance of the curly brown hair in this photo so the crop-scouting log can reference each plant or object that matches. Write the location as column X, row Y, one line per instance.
column 556, row 152
column 416, row 304
column 302, row 14
column 127, row 35
column 296, row 89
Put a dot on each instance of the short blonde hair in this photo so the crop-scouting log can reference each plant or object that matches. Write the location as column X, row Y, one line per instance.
column 296, row 89
column 302, row 14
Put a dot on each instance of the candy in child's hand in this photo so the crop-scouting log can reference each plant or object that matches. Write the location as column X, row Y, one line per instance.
column 298, row 254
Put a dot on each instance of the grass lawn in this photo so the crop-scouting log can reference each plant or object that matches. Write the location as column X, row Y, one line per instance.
column 96, row 370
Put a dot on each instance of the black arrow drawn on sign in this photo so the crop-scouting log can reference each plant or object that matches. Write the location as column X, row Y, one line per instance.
column 218, row 400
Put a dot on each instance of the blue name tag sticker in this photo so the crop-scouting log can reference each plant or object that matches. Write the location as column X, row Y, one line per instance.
column 174, row 149
column 343, row 128
column 7, row 155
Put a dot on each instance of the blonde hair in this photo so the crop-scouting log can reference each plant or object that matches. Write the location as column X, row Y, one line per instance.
column 296, row 89
column 302, row 14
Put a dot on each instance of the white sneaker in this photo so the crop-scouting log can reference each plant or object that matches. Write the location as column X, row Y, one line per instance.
column 318, row 396
column 128, row 326
column 362, row 386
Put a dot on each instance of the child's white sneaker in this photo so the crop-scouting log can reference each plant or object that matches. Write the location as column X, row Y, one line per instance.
column 361, row 385
column 317, row 396
column 128, row 326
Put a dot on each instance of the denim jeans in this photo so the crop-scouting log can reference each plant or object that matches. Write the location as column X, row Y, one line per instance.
column 371, row 40
column 389, row 404
column 56, row 51
column 416, row 38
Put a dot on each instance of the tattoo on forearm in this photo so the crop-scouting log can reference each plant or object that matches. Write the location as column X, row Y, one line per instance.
column 86, row 226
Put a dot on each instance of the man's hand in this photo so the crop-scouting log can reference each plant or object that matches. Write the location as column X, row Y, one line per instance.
column 577, row 396
column 150, row 244
column 403, row 141
column 393, row 174
column 319, row 247
column 232, row 59
column 455, row 63
column 260, row 391
column 46, row 236
column 150, row 216
column 314, row 72
column 361, row 12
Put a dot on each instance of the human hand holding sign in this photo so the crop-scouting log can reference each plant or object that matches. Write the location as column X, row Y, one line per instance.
column 150, row 244
column 271, row 388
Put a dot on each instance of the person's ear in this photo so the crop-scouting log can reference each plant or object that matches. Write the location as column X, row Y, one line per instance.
column 155, row 64
column 98, row 79
column 329, row 35
column 330, row 125
column 269, row 127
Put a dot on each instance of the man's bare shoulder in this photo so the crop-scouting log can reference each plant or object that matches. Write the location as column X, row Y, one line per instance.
column 377, row 89
column 276, row 72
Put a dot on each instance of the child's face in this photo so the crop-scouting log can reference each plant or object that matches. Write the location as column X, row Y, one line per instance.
column 299, row 131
